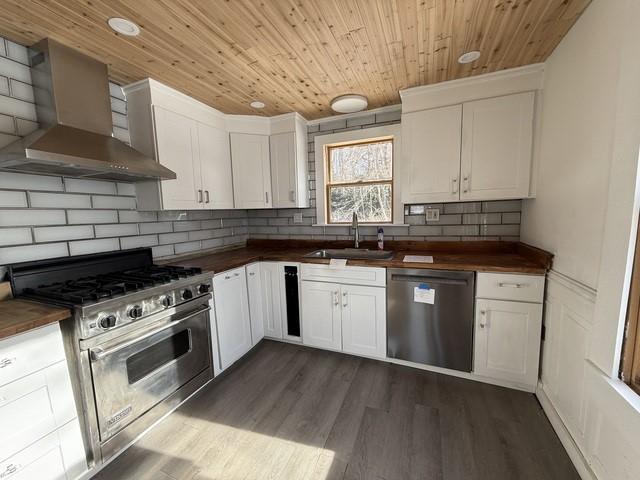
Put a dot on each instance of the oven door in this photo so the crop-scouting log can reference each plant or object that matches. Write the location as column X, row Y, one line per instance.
column 133, row 373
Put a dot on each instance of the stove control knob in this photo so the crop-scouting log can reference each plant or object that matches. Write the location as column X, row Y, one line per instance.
column 135, row 311
column 167, row 301
column 187, row 294
column 108, row 322
column 204, row 288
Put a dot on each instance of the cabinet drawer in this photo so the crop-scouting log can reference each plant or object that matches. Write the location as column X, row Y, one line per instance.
column 347, row 275
column 34, row 406
column 47, row 458
column 509, row 286
column 29, row 352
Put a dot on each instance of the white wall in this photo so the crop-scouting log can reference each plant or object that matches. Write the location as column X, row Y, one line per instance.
column 585, row 213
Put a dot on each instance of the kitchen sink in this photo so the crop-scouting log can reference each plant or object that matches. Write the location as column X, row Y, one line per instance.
column 352, row 254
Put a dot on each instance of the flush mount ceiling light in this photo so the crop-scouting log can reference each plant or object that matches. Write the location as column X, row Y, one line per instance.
column 257, row 104
column 349, row 103
column 124, row 26
column 469, row 57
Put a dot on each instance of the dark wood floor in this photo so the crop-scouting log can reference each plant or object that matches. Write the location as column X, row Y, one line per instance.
column 289, row 412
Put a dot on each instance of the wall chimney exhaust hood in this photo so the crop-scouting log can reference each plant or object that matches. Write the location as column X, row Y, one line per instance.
column 74, row 112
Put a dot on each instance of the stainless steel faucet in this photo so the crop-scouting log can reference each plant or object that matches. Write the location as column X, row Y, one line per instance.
column 356, row 233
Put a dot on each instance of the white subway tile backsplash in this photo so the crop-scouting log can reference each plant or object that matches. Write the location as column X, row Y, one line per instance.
column 118, row 106
column 173, row 237
column 162, row 251
column 122, row 134
column 116, row 230
column 92, row 216
column 59, row 200
column 3, row 47
column 119, row 120
column 25, row 217
column 17, row 52
column 186, row 247
column 116, row 91
column 170, row 215
column 139, row 241
column 128, row 189
column 25, row 181
column 501, row 230
column 25, row 253
column 128, row 203
column 18, row 108
column 84, row 247
column 135, row 216
column 25, row 127
column 57, row 234
column 7, row 124
column 12, row 69
column 15, row 236
column 159, row 227
column 81, row 185
column 212, row 243
column 9, row 198
column 6, row 139
column 4, row 85
column 185, row 226
column 21, row 90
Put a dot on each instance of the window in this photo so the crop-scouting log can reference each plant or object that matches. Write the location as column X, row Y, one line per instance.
column 359, row 178
column 630, row 367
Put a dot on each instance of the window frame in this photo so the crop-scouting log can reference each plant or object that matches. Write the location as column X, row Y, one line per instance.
column 319, row 167
column 328, row 184
column 630, row 358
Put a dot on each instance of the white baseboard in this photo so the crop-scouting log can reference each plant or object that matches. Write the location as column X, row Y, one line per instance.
column 565, row 437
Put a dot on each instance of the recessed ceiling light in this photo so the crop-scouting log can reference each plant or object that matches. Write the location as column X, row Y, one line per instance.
column 124, row 26
column 257, row 104
column 469, row 57
column 349, row 103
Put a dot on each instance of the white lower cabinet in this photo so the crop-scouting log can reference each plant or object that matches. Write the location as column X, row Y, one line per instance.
column 321, row 315
column 232, row 315
column 349, row 318
column 39, row 430
column 256, row 302
column 364, row 330
column 507, row 340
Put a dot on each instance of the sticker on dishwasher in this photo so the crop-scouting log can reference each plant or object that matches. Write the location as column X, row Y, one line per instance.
column 423, row 293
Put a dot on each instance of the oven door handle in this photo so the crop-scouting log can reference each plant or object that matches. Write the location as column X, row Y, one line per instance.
column 98, row 354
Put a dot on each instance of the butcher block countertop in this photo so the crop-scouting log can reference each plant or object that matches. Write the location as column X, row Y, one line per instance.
column 489, row 256
column 19, row 316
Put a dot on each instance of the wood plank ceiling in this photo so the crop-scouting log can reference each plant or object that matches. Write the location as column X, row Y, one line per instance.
column 296, row 55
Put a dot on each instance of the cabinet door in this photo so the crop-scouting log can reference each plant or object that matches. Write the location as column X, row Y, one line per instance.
column 507, row 340
column 232, row 315
column 251, row 170
column 364, row 329
column 283, row 169
column 256, row 302
column 271, row 275
column 177, row 149
column 215, row 162
column 321, row 319
column 431, row 141
column 496, row 147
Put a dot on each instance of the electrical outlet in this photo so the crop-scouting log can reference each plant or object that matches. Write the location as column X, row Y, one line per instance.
column 432, row 214
column 297, row 217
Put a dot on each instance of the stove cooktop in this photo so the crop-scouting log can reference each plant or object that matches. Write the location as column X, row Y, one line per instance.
column 93, row 288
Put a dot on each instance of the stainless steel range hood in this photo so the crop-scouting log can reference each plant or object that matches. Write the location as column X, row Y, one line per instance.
column 74, row 112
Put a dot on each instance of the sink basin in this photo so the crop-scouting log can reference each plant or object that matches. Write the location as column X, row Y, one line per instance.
column 352, row 254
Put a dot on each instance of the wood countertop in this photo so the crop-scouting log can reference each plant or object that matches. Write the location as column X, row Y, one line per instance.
column 512, row 257
column 19, row 316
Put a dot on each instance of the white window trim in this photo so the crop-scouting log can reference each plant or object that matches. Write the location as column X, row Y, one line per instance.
column 321, row 141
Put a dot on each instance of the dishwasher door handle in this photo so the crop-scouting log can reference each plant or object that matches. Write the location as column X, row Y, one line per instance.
column 425, row 279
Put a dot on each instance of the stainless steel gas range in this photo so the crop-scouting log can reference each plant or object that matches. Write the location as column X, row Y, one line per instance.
column 138, row 341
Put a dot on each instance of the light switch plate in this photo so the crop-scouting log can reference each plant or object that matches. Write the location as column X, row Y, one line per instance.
column 297, row 217
column 432, row 214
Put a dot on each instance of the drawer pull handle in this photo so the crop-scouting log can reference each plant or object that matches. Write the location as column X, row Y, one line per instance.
column 5, row 362
column 336, row 298
column 512, row 285
column 11, row 469
column 483, row 318
column 344, row 296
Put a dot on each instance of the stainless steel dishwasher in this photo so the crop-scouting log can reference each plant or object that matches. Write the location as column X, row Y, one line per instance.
column 438, row 334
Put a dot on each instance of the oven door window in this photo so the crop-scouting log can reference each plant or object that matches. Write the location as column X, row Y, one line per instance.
column 164, row 352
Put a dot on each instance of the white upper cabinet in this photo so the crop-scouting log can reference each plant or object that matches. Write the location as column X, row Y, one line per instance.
column 251, row 170
column 431, row 141
column 478, row 150
column 497, row 136
column 185, row 136
column 215, row 164
column 289, row 167
column 177, row 149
